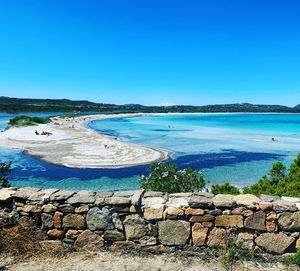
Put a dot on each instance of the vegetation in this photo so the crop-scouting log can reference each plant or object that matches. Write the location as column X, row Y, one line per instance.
column 5, row 168
column 295, row 259
column 27, row 121
column 169, row 179
column 278, row 181
column 225, row 188
column 16, row 105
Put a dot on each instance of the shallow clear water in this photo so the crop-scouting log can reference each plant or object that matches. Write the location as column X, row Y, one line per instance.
column 230, row 147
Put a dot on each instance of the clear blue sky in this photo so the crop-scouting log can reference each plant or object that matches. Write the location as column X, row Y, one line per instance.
column 151, row 51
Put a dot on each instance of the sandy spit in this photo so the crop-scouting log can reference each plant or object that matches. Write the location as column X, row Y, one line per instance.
column 73, row 144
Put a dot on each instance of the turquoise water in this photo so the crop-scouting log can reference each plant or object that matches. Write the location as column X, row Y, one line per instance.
column 229, row 147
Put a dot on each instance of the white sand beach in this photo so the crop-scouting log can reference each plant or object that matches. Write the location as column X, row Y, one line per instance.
column 79, row 147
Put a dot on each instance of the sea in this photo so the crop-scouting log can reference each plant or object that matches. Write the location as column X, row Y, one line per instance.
column 235, row 148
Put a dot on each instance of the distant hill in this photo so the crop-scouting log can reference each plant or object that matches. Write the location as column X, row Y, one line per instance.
column 21, row 105
column 297, row 106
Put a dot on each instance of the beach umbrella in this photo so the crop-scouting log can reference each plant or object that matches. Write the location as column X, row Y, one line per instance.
column 55, row 119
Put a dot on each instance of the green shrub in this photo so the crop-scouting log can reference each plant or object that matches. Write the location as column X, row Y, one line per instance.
column 5, row 168
column 167, row 178
column 295, row 259
column 27, row 121
column 278, row 182
column 225, row 188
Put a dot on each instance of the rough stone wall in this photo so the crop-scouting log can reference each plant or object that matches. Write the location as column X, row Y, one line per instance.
column 90, row 220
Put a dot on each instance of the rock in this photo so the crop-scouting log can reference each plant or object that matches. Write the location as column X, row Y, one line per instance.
column 215, row 212
column 199, row 234
column 238, row 211
column 217, row 238
column 153, row 194
column 256, row 221
column 117, row 222
column 173, row 232
column 72, row 234
column 289, row 221
column 7, row 219
column 124, row 194
column 181, row 195
column 56, row 234
column 25, row 192
column 47, row 221
column 66, row 208
column 99, row 219
column 178, row 202
column 32, row 208
column 136, row 198
column 226, row 212
column 291, row 199
column 27, row 223
column 153, row 202
column 229, row 221
column 68, row 241
column 297, row 244
column 82, row 197
column 224, row 201
column 271, row 216
column 269, row 198
column 207, row 224
column 204, row 194
column 82, row 209
column 247, row 213
column 120, row 245
column 57, row 220
column 174, row 212
column 74, row 221
column 200, row 202
column 274, row 243
column 271, row 226
column 191, row 211
column 42, row 196
column 135, row 227
column 113, row 235
column 282, row 206
column 148, row 241
column 153, row 213
column 247, row 200
column 265, row 206
column 62, row 195
column 117, row 201
column 90, row 241
column 104, row 194
column 245, row 240
column 203, row 218
column 6, row 194
column 49, row 208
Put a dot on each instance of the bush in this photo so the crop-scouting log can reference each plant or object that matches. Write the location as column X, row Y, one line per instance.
column 278, row 182
column 295, row 259
column 27, row 121
column 225, row 188
column 5, row 168
column 168, row 179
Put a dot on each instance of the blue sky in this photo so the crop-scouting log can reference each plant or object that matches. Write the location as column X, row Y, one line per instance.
column 152, row 52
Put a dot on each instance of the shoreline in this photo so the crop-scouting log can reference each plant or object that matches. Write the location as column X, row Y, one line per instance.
column 73, row 144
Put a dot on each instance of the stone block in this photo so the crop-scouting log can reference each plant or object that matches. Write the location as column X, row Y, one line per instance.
column 56, row 234
column 72, row 234
column 274, row 243
column 66, row 208
column 135, row 227
column 264, row 206
column 82, row 209
column 224, row 201
column 62, row 195
column 57, row 220
column 178, row 202
column 74, row 221
column 118, row 201
column 153, row 202
column 191, row 211
column 284, row 206
column 199, row 234
column 246, row 200
column 203, row 218
column 90, row 241
column 217, row 238
column 256, row 221
column 49, row 208
column 197, row 202
column 229, row 221
column 113, row 235
column 153, row 213
column 82, row 197
column 289, row 221
column 47, row 221
column 269, row 198
column 99, row 219
column 173, row 232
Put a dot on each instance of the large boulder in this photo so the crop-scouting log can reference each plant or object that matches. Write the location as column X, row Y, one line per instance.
column 256, row 221
column 289, row 221
column 88, row 240
column 172, row 232
column 99, row 219
column 274, row 243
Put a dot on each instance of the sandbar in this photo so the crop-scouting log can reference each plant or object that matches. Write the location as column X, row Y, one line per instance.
column 72, row 144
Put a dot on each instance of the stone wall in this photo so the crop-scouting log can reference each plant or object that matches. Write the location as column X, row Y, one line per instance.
column 92, row 220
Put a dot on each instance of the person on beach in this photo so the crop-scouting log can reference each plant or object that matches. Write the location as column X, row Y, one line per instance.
column 36, row 132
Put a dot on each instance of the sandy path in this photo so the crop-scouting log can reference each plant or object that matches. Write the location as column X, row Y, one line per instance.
column 72, row 144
